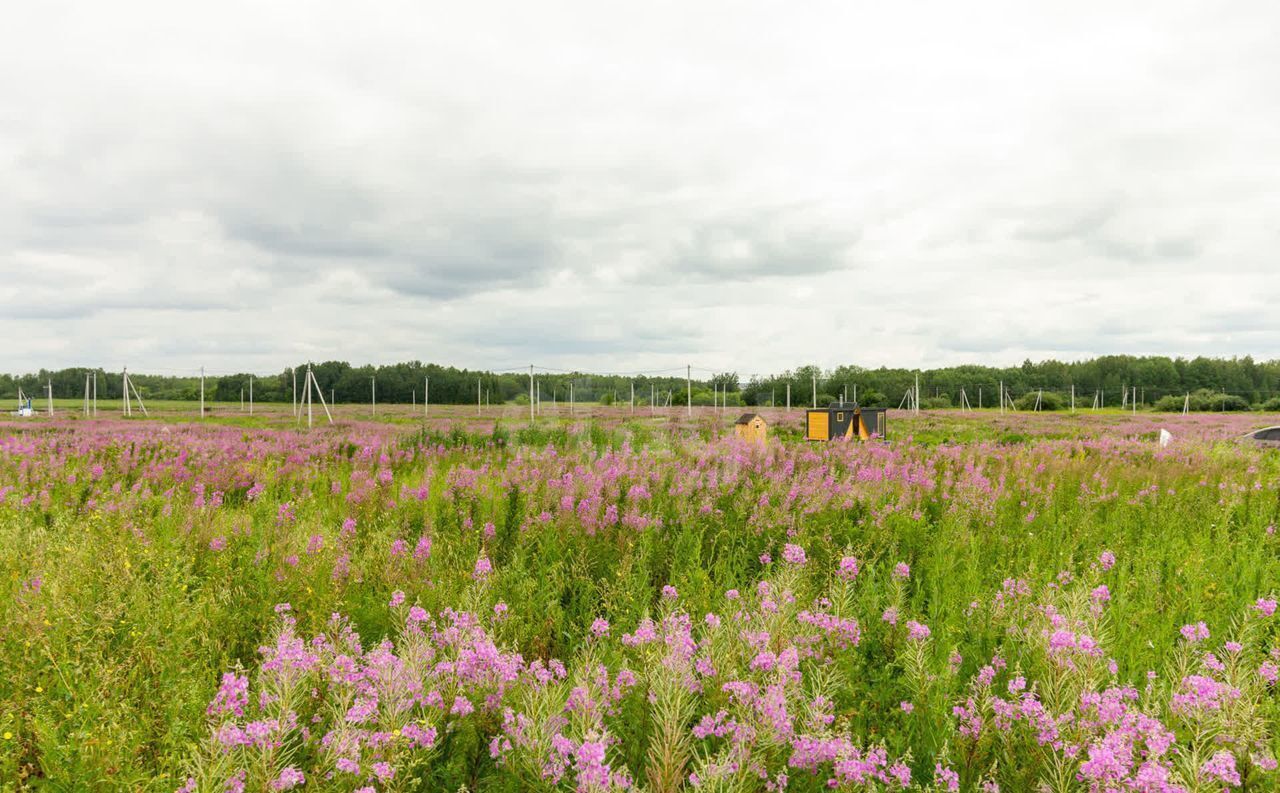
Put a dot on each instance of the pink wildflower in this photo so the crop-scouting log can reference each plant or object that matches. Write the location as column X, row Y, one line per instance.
column 1195, row 633
column 793, row 554
column 289, row 778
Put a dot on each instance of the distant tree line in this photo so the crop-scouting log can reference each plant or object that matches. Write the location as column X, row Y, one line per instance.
column 396, row 383
column 1161, row 383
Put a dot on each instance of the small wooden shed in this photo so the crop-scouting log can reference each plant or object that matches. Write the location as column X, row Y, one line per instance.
column 751, row 427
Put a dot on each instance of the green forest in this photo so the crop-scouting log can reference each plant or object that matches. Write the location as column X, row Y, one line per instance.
column 1156, row 382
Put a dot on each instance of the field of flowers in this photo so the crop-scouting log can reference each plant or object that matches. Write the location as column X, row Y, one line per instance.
column 614, row 601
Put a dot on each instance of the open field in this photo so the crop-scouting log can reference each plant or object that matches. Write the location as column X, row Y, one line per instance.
column 607, row 600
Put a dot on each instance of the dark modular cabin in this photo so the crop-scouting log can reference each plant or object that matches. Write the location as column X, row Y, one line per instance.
column 844, row 420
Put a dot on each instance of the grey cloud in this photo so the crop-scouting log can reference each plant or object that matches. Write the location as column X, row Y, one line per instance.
column 50, row 307
column 1061, row 224
column 306, row 239
column 1256, row 317
column 1102, row 230
column 525, row 336
column 243, row 187
column 979, row 344
column 1155, row 251
column 760, row 245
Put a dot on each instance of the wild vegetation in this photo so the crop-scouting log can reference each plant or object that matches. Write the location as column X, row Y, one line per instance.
column 630, row 601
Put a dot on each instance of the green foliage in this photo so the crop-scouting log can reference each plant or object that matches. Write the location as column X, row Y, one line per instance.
column 873, row 399
column 1204, row 400
column 1227, row 402
column 1046, row 400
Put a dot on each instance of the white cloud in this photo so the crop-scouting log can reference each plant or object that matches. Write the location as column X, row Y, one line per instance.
column 618, row 188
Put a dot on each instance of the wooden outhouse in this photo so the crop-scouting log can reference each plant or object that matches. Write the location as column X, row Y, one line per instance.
column 751, row 427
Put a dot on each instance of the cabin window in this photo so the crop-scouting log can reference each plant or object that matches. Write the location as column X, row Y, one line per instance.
column 840, row 417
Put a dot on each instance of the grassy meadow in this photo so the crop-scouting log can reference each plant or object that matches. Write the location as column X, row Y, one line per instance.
column 615, row 599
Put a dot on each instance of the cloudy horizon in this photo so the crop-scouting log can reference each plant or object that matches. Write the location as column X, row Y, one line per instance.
column 745, row 187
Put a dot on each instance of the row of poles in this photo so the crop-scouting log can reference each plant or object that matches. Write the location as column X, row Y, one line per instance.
column 910, row 400
column 1129, row 399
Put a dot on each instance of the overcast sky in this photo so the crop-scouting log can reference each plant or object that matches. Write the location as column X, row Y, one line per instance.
column 623, row 187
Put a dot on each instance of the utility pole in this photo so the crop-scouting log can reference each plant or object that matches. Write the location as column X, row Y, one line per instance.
column 531, row 403
column 142, row 405
column 788, row 396
column 1073, row 397
column 50, row 386
column 311, row 386
column 124, row 379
